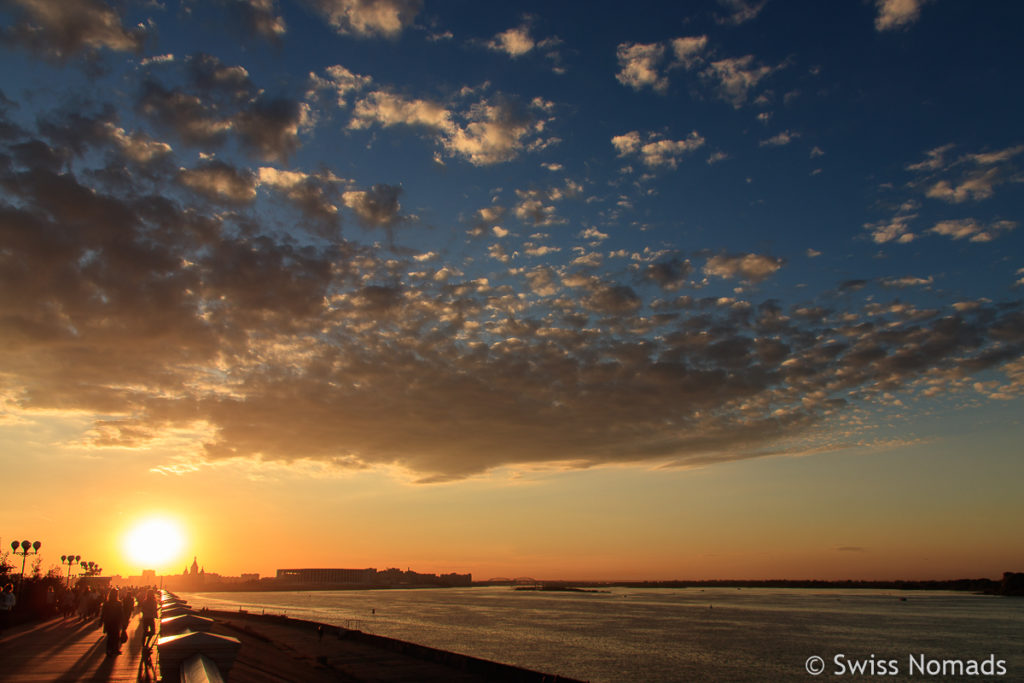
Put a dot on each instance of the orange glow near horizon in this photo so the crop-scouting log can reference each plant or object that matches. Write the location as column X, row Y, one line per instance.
column 906, row 513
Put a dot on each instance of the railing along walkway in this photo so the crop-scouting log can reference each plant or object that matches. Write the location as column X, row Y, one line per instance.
column 70, row 650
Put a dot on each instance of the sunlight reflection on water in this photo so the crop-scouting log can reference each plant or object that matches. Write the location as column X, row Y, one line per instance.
column 662, row 635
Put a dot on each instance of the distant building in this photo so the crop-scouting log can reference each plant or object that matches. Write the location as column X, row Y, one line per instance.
column 454, row 579
column 321, row 577
column 387, row 577
column 397, row 577
column 190, row 579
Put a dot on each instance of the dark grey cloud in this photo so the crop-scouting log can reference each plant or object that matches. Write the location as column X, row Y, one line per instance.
column 62, row 29
column 211, row 75
column 223, row 104
column 740, row 11
column 669, row 274
column 270, row 127
column 376, row 207
column 260, row 17
column 185, row 114
column 610, row 298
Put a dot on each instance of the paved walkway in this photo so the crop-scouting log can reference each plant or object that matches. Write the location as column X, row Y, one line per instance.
column 69, row 650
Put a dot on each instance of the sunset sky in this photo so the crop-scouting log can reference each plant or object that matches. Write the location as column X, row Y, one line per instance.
column 644, row 290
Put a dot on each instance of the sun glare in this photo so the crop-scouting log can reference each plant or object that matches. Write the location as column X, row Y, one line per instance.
column 154, row 542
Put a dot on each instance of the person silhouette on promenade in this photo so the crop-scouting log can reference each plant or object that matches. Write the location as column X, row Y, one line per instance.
column 128, row 607
column 50, row 601
column 67, row 604
column 7, row 602
column 112, row 615
column 149, row 608
column 88, row 603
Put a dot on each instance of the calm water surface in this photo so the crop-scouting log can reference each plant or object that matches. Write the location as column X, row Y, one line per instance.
column 662, row 635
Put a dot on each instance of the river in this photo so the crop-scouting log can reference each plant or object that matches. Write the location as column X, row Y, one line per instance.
column 693, row 634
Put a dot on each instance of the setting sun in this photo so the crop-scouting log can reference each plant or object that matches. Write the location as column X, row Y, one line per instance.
column 154, row 542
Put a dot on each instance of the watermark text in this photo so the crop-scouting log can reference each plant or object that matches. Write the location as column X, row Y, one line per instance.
column 920, row 665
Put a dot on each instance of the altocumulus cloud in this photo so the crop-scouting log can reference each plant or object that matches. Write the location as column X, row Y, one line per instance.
column 445, row 378
column 160, row 294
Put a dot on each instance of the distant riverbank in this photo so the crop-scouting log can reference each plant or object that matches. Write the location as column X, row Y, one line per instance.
column 1012, row 583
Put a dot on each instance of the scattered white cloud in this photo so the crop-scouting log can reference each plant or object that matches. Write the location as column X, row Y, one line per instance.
column 220, row 181
column 439, row 36
column 537, row 206
column 390, row 109
column 312, row 193
column 896, row 14
column 515, row 42
column 734, row 78
column 968, row 228
column 893, row 230
column 934, row 159
column 976, row 186
column 655, row 150
column 387, row 18
column 340, row 81
column 907, row 281
column 996, row 157
column 638, row 66
column 750, row 267
column 137, row 146
column 642, row 65
column 157, row 59
column 593, row 234
column 689, row 50
column 780, row 139
column 966, row 177
column 490, row 131
column 740, row 11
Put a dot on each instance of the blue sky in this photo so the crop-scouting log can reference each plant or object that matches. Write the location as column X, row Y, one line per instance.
column 445, row 240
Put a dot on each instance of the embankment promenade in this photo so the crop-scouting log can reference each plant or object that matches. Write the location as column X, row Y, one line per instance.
column 271, row 642
column 273, row 648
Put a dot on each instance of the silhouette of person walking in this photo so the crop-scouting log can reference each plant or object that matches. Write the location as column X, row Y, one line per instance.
column 149, row 608
column 112, row 615
column 7, row 602
column 128, row 607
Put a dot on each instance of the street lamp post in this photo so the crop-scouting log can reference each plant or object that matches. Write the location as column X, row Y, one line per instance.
column 24, row 552
column 69, row 560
